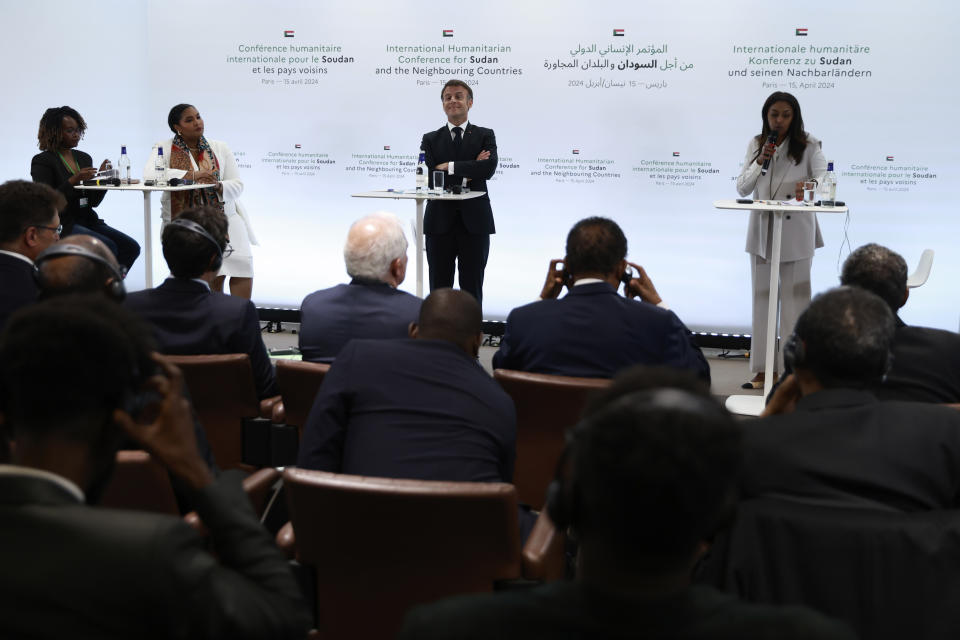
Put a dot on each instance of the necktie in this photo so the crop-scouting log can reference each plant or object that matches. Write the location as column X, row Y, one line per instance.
column 457, row 139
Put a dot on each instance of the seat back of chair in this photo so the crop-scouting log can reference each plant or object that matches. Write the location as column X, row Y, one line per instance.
column 140, row 483
column 887, row 574
column 299, row 382
column 223, row 394
column 547, row 406
column 380, row 546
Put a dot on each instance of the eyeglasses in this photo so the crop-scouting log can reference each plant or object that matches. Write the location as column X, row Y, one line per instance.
column 57, row 229
column 228, row 250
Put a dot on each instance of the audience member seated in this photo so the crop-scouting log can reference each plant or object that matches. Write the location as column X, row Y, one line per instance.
column 926, row 362
column 419, row 407
column 85, row 264
column 649, row 475
column 825, row 438
column 593, row 332
column 73, row 571
column 370, row 306
column 29, row 223
column 190, row 319
column 80, row 264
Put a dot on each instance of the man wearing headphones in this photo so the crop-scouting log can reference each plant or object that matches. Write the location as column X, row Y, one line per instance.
column 648, row 477
column 824, row 436
column 80, row 264
column 190, row 319
column 593, row 331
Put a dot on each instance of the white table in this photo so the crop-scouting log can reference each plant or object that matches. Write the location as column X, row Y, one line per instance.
column 420, row 197
column 753, row 405
column 147, row 230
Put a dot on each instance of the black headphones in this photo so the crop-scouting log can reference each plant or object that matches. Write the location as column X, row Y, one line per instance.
column 562, row 501
column 794, row 354
column 113, row 288
column 190, row 225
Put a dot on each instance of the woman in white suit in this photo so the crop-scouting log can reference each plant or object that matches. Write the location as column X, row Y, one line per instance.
column 210, row 161
column 794, row 157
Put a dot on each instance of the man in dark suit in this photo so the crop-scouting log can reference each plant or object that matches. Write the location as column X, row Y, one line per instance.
column 824, row 437
column 458, row 231
column 926, row 362
column 643, row 454
column 593, row 332
column 370, row 306
column 190, row 319
column 418, row 408
column 72, row 570
column 29, row 223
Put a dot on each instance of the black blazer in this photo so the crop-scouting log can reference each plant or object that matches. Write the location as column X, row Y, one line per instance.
column 420, row 409
column 17, row 286
column 476, row 212
column 48, row 168
column 843, row 447
column 189, row 319
column 70, row 570
column 594, row 332
column 926, row 366
column 330, row 318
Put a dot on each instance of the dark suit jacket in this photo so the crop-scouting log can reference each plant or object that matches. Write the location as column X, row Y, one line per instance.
column 476, row 212
column 843, row 447
column 330, row 318
column 926, row 366
column 594, row 332
column 570, row 610
column 48, row 168
column 420, row 409
column 889, row 575
column 70, row 570
column 189, row 319
column 17, row 286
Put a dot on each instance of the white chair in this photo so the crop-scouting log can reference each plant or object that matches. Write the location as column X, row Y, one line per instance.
column 922, row 272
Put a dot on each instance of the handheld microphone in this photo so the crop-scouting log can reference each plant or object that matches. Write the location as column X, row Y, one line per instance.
column 771, row 139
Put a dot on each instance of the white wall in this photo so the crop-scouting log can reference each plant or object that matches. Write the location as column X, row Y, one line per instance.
column 124, row 65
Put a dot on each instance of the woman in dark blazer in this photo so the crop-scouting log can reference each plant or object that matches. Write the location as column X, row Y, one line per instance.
column 61, row 166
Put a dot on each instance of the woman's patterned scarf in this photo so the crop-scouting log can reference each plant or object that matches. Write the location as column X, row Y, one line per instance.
column 180, row 159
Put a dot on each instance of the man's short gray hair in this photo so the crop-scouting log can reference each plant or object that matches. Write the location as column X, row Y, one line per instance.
column 374, row 242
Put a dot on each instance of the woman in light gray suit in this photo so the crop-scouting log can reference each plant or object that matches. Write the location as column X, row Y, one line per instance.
column 794, row 157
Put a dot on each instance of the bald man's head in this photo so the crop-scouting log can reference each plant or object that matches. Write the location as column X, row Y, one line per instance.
column 451, row 315
column 79, row 264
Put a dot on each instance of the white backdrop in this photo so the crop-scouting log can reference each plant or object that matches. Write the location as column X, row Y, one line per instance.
column 648, row 127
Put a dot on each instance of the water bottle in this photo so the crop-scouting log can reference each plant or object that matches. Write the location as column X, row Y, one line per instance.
column 123, row 165
column 422, row 173
column 828, row 187
column 160, row 168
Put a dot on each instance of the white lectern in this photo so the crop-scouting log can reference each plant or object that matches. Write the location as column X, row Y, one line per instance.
column 420, row 197
column 753, row 405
